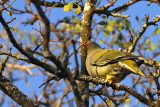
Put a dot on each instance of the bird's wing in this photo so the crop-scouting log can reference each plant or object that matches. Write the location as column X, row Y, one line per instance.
column 108, row 56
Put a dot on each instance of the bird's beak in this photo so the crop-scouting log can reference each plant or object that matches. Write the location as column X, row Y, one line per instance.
column 86, row 44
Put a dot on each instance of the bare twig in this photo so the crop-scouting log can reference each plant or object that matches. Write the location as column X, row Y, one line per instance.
column 143, row 29
column 47, row 27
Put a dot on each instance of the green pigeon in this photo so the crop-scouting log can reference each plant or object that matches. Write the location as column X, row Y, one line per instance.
column 110, row 64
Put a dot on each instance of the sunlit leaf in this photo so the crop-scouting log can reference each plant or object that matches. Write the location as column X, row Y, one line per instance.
column 74, row 18
column 109, row 28
column 109, row 102
column 68, row 26
column 106, row 33
column 68, row 7
column 127, row 101
column 156, row 31
column 101, row 41
column 147, row 42
column 78, row 9
column 157, row 45
column 111, row 22
column 10, row 12
column 152, row 46
column 120, row 24
column 63, row 25
column 32, row 37
column 78, row 27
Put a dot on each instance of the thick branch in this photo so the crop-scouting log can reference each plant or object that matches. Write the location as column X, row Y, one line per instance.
column 57, row 4
column 47, row 27
column 115, row 87
column 125, row 5
column 13, row 92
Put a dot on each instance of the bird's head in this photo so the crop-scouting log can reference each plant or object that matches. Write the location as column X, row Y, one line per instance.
column 91, row 45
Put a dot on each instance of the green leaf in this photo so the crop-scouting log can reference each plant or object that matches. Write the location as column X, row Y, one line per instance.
column 64, row 1
column 27, row 82
column 137, row 18
column 120, row 37
column 32, row 37
column 106, row 33
column 102, row 23
column 120, row 24
column 109, row 102
column 147, row 42
column 104, row 17
column 68, row 7
column 156, row 31
column 157, row 45
column 152, row 46
column 127, row 22
column 109, row 28
column 99, row 2
column 74, row 18
column 77, row 10
column 78, row 27
column 101, row 41
column 111, row 22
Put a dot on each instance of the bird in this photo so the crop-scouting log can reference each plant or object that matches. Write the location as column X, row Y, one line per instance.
column 113, row 65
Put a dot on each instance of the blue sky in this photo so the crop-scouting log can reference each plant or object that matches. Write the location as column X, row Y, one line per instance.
column 138, row 9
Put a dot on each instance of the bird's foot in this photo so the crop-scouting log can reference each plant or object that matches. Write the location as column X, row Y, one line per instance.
column 110, row 82
column 117, row 85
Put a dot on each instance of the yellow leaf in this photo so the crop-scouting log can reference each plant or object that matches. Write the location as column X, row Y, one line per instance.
column 68, row 7
column 68, row 26
column 63, row 25
column 74, row 18
column 101, row 41
column 109, row 28
column 77, row 10
column 78, row 27
column 152, row 46
column 109, row 102
column 10, row 12
column 111, row 22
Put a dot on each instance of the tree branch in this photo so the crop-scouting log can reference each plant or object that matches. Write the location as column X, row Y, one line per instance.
column 26, row 53
column 47, row 27
column 115, row 87
column 13, row 92
column 123, row 6
column 143, row 29
column 57, row 4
